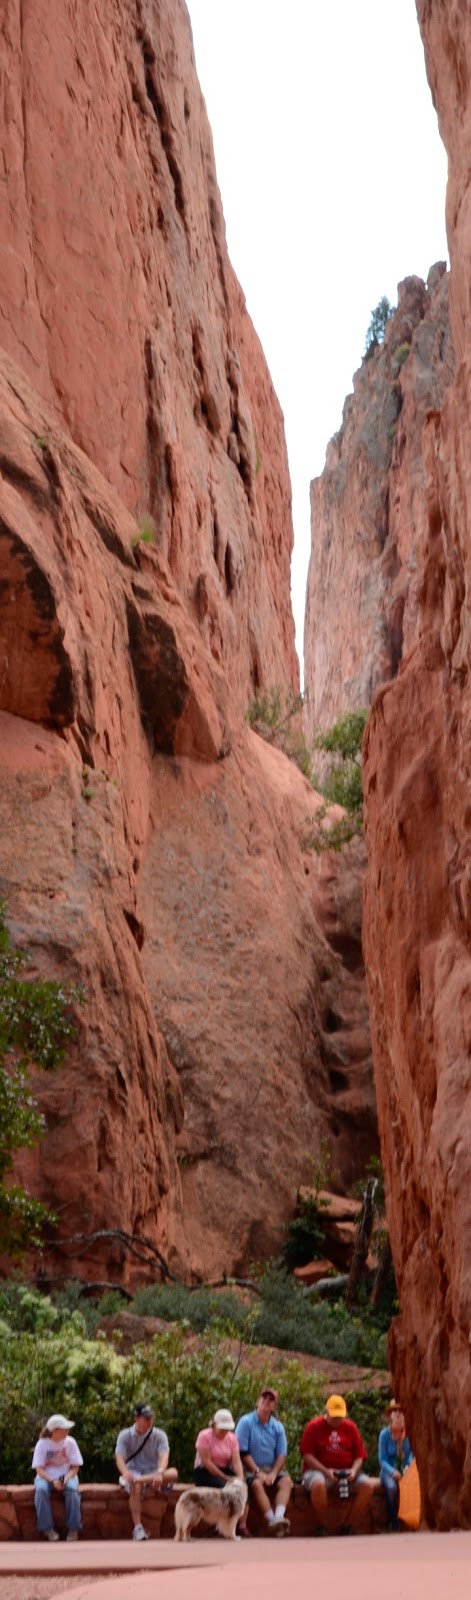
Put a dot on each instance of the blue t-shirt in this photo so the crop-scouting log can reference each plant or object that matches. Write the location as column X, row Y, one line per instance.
column 264, row 1441
column 387, row 1451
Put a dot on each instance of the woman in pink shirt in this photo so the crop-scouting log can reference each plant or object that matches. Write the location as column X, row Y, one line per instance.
column 217, row 1453
column 217, row 1457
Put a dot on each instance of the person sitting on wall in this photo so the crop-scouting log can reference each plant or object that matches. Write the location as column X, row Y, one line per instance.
column 333, row 1454
column 217, row 1457
column 142, row 1455
column 263, row 1448
column 56, row 1459
column 395, row 1456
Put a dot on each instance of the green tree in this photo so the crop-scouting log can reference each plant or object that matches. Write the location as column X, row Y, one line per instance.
column 35, row 1027
column 377, row 325
column 342, row 785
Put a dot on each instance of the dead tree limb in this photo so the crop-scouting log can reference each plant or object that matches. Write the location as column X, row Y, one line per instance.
column 382, row 1274
column 362, row 1242
column 134, row 1242
column 44, row 1279
column 226, row 1283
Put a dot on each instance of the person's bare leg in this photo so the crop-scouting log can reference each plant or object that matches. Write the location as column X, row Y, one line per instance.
column 359, row 1508
column 260, row 1496
column 135, row 1504
column 318, row 1496
column 283, row 1493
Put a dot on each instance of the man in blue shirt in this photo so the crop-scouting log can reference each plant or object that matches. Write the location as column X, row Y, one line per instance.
column 263, row 1448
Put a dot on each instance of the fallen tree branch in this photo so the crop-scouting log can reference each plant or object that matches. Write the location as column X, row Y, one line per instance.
column 326, row 1288
column 86, row 1287
column 225, row 1283
column 133, row 1242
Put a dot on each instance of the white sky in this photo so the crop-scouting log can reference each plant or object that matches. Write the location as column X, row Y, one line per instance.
column 332, row 176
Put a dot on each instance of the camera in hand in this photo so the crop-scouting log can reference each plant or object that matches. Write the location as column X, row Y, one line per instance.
column 342, row 1476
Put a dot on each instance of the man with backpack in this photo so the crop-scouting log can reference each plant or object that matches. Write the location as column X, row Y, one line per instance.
column 142, row 1455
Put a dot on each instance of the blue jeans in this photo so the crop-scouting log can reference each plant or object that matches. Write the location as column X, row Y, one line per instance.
column 43, row 1493
column 391, row 1490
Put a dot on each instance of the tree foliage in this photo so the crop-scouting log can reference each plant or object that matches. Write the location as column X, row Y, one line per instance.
column 377, row 324
column 47, row 1358
column 35, row 1027
column 342, row 785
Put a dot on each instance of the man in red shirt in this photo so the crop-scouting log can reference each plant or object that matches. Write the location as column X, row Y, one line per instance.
column 329, row 1445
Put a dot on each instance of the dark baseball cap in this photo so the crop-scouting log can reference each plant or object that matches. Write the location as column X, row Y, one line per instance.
column 271, row 1394
column 143, row 1411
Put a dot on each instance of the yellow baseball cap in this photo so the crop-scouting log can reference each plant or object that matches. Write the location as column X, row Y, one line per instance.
column 335, row 1406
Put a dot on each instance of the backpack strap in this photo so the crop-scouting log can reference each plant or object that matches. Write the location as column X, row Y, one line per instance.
column 139, row 1447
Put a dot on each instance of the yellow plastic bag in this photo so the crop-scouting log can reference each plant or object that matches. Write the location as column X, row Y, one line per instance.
column 409, row 1497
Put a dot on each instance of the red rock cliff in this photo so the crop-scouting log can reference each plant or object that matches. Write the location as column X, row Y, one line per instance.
column 367, row 507
column 418, row 904
column 150, row 844
column 118, row 300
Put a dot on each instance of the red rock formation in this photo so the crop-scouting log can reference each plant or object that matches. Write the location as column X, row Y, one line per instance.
column 151, row 846
column 418, row 908
column 366, row 510
column 119, row 303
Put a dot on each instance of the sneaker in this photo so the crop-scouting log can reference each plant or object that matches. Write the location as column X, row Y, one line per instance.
column 139, row 1532
column 73, row 1535
column 52, row 1535
column 280, row 1526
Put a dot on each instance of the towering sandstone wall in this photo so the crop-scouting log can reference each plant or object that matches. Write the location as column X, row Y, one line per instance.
column 118, row 301
column 367, row 509
column 394, row 527
column 150, row 844
column 417, row 926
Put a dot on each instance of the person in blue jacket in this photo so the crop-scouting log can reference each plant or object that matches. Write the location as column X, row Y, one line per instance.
column 395, row 1456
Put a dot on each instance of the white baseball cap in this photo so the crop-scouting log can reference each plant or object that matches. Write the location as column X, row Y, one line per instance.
column 58, row 1421
column 223, row 1419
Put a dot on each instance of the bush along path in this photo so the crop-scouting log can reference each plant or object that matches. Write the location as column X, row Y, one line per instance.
column 98, row 1386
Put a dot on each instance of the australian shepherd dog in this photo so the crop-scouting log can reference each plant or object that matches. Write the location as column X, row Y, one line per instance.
column 221, row 1508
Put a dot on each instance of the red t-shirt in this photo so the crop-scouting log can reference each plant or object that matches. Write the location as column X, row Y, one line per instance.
column 337, row 1446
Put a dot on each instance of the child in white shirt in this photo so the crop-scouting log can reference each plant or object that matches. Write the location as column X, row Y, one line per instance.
column 56, row 1458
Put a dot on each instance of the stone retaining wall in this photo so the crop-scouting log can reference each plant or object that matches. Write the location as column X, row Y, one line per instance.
column 105, row 1513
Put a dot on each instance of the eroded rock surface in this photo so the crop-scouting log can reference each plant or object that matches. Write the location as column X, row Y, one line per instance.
column 118, row 301
column 367, row 509
column 151, row 846
column 418, row 905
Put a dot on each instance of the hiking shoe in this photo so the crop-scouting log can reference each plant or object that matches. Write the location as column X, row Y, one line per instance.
column 52, row 1535
column 139, row 1532
column 280, row 1526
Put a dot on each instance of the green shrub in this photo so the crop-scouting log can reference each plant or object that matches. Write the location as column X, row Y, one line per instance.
column 98, row 1388
column 266, row 708
column 304, row 1237
column 197, row 1307
column 367, row 1407
column 402, row 352
column 335, row 836
column 35, row 1028
column 146, row 533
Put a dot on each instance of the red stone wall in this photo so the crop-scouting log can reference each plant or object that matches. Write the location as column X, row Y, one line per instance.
column 418, row 910
column 367, row 510
column 151, row 846
column 118, row 301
